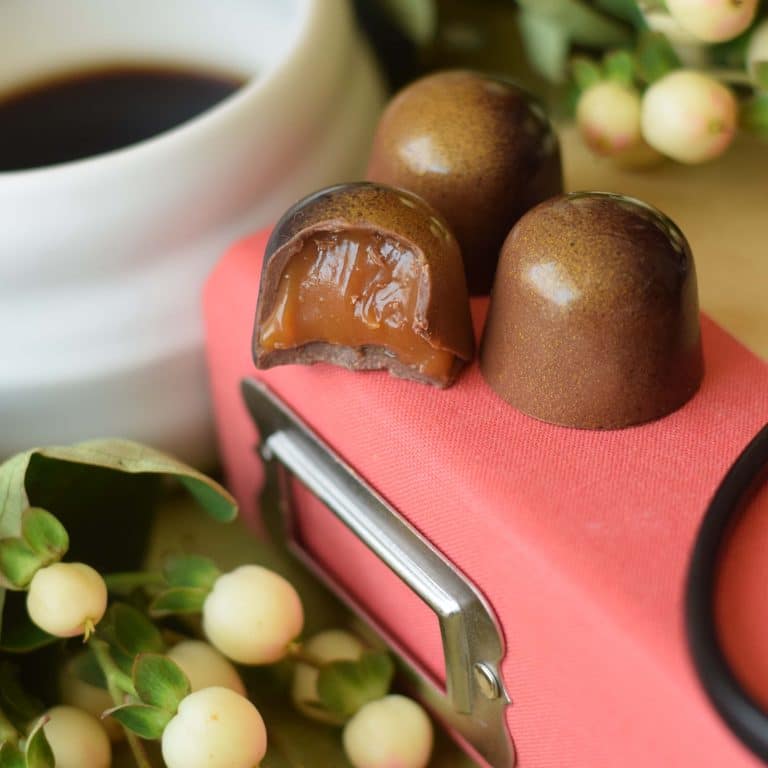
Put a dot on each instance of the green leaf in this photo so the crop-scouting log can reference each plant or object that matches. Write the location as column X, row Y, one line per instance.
column 85, row 667
column 178, row 600
column 582, row 23
column 620, row 66
column 731, row 54
column 44, row 534
column 18, row 561
column 345, row 686
column 134, row 458
column 417, row 18
column 123, row 660
column 38, row 751
column 627, row 10
column 760, row 74
column 143, row 720
column 19, row 633
column 159, row 681
column 13, row 495
column 191, row 571
column 586, row 72
column 132, row 632
column 546, row 45
column 15, row 702
column 754, row 115
column 13, row 502
column 59, row 477
column 8, row 732
column 655, row 56
column 11, row 756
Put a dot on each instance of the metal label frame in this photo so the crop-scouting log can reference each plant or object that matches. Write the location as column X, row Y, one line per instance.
column 475, row 700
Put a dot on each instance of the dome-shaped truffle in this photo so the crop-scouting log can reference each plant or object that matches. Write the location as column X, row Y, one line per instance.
column 594, row 318
column 365, row 276
column 480, row 150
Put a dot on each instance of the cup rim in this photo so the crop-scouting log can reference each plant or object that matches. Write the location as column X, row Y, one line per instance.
column 307, row 17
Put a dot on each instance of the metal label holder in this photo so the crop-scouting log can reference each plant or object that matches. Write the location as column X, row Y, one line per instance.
column 475, row 699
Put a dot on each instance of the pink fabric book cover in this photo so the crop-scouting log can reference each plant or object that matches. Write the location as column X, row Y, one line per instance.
column 579, row 540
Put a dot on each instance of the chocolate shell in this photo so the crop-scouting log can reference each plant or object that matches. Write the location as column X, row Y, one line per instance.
column 367, row 277
column 594, row 317
column 480, row 150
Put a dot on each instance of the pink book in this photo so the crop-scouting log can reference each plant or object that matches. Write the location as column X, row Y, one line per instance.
column 577, row 542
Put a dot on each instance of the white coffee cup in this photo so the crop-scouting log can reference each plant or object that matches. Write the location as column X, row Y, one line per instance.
column 102, row 260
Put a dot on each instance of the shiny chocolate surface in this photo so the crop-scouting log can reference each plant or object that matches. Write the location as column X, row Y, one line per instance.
column 594, row 320
column 367, row 277
column 480, row 150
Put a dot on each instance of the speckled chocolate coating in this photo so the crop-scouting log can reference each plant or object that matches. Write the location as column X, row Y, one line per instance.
column 479, row 149
column 594, row 317
column 442, row 311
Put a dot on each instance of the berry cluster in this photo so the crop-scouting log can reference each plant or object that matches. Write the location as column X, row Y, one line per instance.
column 665, row 97
column 144, row 675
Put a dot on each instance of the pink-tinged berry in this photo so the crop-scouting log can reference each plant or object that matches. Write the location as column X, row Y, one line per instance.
column 205, row 667
column 215, row 728
column 252, row 614
column 67, row 599
column 713, row 21
column 77, row 739
column 689, row 116
column 389, row 732
column 608, row 116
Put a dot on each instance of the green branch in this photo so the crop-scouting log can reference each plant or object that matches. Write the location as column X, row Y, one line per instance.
column 119, row 684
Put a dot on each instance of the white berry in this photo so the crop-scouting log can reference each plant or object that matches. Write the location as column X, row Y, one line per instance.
column 252, row 614
column 757, row 52
column 75, row 692
column 66, row 599
column 689, row 116
column 205, row 667
column 77, row 739
column 713, row 21
column 331, row 645
column 393, row 732
column 608, row 116
column 215, row 728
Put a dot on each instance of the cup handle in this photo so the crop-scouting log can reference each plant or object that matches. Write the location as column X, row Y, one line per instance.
column 475, row 698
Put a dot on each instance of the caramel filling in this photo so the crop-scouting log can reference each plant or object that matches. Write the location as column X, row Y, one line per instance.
column 354, row 289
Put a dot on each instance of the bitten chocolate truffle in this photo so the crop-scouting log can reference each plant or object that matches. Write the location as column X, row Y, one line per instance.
column 364, row 276
column 594, row 316
column 479, row 149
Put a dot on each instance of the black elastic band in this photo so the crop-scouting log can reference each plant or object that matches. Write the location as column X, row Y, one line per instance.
column 747, row 720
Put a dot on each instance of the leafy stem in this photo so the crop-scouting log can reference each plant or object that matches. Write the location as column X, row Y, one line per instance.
column 125, row 582
column 118, row 684
column 732, row 76
column 297, row 652
column 7, row 730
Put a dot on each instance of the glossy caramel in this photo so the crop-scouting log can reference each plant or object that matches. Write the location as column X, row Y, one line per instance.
column 356, row 289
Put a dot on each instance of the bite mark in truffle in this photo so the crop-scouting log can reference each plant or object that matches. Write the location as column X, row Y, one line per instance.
column 367, row 277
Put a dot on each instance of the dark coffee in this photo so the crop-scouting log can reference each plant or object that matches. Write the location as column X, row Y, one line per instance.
column 101, row 110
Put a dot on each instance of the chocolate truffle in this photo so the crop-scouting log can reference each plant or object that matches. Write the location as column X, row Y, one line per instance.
column 594, row 317
column 364, row 276
column 479, row 149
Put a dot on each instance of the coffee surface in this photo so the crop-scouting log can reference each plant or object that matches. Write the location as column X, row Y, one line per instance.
column 97, row 111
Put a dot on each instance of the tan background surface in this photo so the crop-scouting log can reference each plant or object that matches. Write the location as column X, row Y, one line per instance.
column 722, row 207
